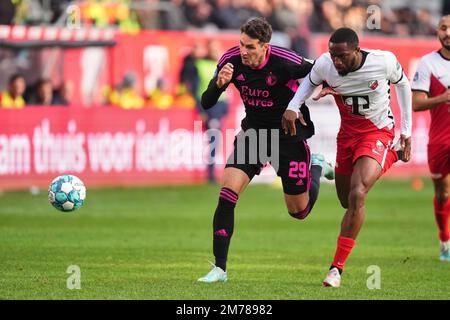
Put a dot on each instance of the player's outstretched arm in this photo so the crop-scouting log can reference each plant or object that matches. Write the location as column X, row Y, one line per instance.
column 421, row 101
column 404, row 100
column 421, row 83
column 216, row 86
column 292, row 112
column 395, row 74
column 324, row 92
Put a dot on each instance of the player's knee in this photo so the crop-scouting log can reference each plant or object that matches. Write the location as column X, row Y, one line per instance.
column 302, row 214
column 358, row 193
column 234, row 179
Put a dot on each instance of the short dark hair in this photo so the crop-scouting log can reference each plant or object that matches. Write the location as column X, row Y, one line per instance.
column 14, row 77
column 43, row 81
column 258, row 28
column 442, row 18
column 346, row 35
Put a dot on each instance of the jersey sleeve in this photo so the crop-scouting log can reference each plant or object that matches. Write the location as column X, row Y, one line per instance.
column 301, row 70
column 317, row 74
column 227, row 56
column 394, row 70
column 421, row 80
column 212, row 94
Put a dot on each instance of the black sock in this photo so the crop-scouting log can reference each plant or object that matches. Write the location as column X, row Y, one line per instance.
column 313, row 193
column 316, row 172
column 223, row 225
column 339, row 269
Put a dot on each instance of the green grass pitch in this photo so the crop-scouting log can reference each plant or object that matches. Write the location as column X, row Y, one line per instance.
column 153, row 243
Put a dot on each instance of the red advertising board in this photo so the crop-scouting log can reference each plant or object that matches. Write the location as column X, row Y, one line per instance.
column 109, row 146
column 103, row 146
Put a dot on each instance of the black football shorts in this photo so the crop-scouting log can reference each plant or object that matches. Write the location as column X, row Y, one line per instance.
column 288, row 156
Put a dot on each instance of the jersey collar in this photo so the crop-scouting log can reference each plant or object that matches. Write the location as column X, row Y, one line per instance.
column 442, row 56
column 363, row 60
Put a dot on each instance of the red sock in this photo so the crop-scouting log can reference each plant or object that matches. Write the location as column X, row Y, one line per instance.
column 442, row 212
column 344, row 247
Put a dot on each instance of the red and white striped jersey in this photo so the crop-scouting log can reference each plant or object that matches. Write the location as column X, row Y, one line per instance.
column 364, row 94
column 433, row 77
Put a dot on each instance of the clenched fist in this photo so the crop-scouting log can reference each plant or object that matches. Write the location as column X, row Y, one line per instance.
column 225, row 75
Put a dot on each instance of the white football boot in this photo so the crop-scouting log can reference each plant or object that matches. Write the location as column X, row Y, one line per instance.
column 215, row 275
column 318, row 159
column 445, row 251
column 333, row 278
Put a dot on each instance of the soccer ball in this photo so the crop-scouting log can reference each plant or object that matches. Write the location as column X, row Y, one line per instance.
column 67, row 193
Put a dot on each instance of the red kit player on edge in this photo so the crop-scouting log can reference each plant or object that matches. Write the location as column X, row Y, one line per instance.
column 431, row 91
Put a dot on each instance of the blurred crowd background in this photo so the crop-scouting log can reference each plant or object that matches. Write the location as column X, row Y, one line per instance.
column 399, row 17
column 296, row 20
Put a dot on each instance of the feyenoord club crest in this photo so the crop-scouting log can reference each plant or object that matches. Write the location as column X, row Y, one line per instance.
column 271, row 79
column 373, row 84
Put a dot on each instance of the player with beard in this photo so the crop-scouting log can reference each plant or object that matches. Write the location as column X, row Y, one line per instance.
column 431, row 91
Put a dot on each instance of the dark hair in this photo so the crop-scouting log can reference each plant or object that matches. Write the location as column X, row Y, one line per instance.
column 444, row 16
column 258, row 28
column 14, row 77
column 346, row 35
column 43, row 81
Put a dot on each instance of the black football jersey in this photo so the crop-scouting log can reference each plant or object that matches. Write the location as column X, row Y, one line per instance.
column 265, row 91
